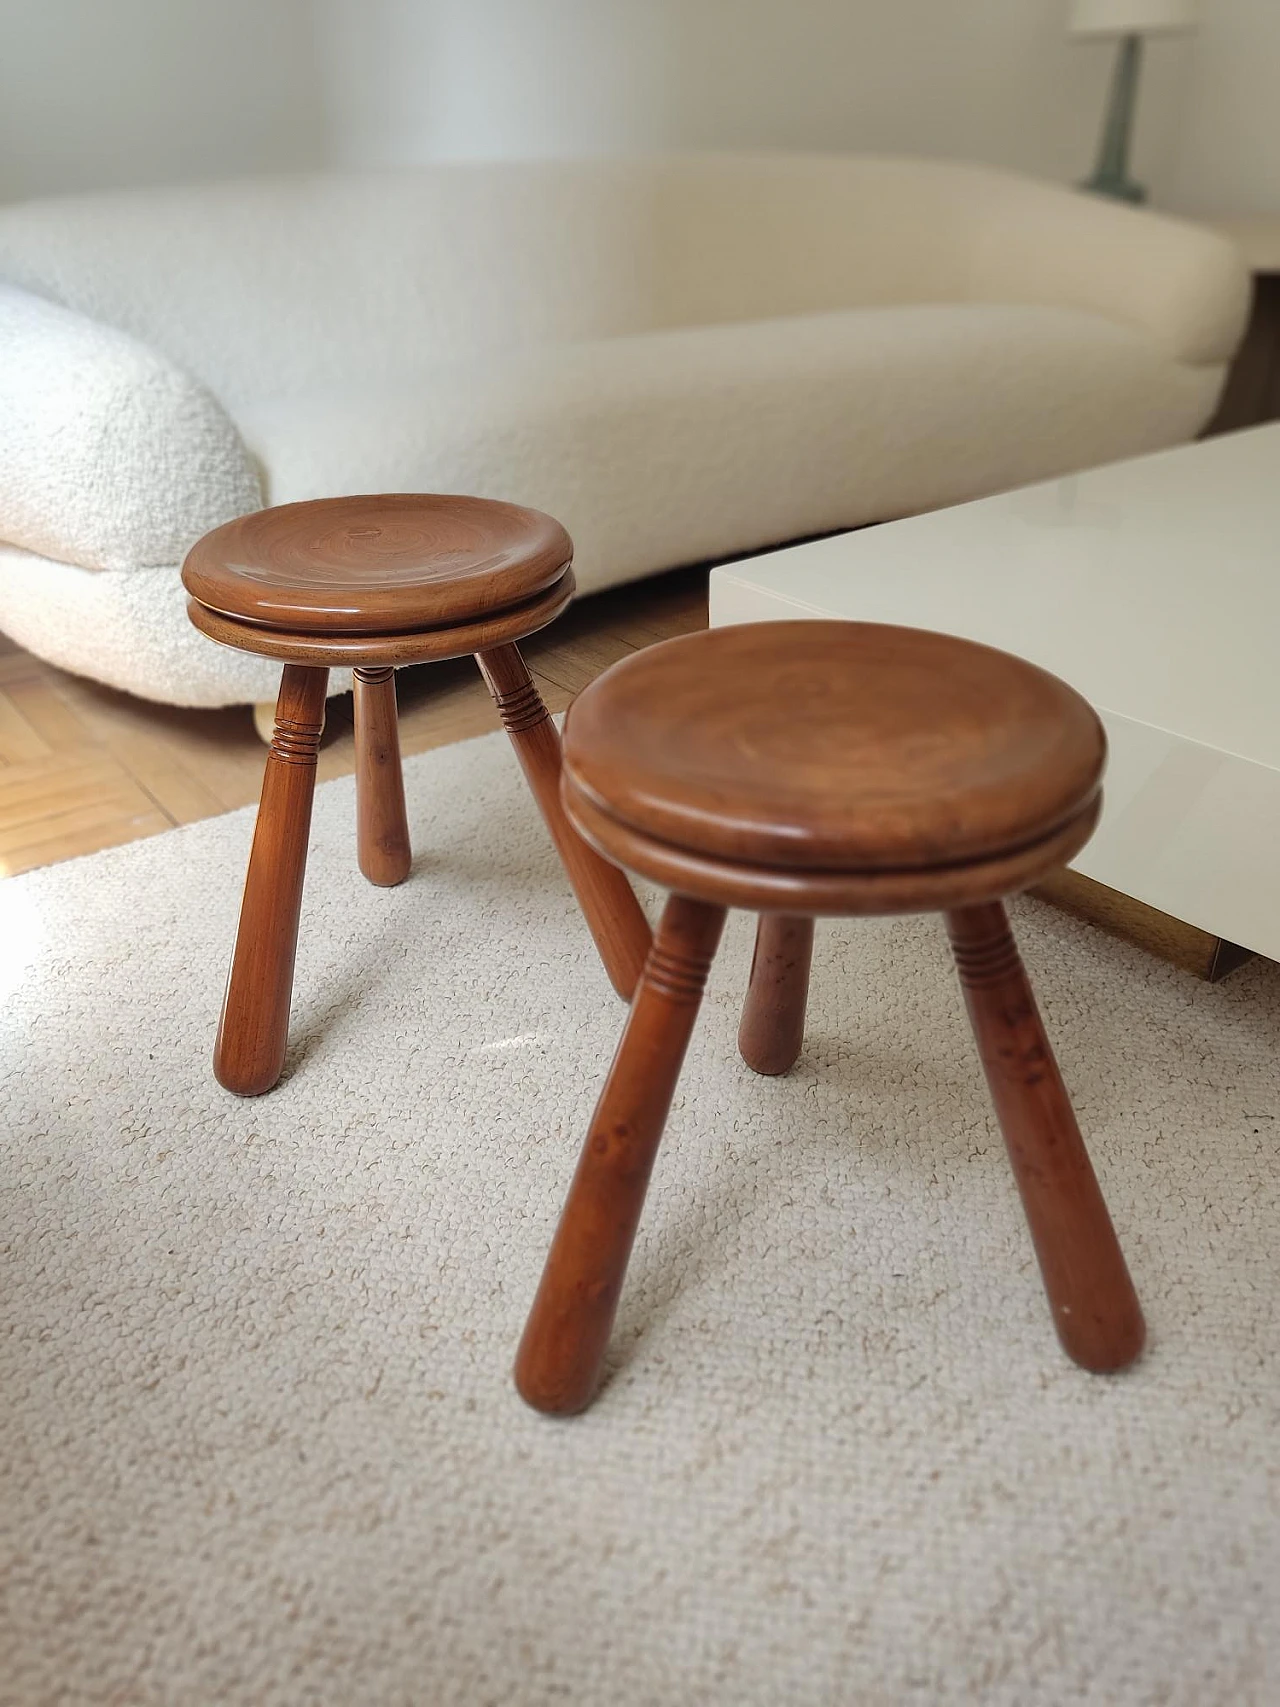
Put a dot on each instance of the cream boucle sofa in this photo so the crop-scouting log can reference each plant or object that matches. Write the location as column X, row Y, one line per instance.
column 681, row 358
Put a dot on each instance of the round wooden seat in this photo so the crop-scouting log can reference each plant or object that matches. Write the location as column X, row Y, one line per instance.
column 834, row 766
column 390, row 564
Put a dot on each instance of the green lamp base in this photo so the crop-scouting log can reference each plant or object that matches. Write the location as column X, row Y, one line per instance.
column 1111, row 174
column 1123, row 189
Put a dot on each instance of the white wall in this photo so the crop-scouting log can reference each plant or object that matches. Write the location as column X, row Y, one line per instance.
column 1227, row 151
column 106, row 92
column 99, row 92
column 995, row 80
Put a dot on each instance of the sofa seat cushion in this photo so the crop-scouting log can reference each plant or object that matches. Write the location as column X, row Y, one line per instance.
column 666, row 447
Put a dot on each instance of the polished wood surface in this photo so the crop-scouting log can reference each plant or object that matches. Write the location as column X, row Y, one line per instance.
column 771, row 1034
column 1095, row 1308
column 838, row 894
column 608, row 903
column 382, row 829
column 816, row 763
column 834, row 745
column 84, row 766
column 415, row 646
column 254, row 1030
column 558, row 1364
column 376, row 564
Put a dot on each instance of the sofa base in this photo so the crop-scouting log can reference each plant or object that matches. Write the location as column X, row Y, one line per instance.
column 1186, row 946
column 129, row 629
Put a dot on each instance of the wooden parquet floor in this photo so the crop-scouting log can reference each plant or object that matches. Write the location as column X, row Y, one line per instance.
column 83, row 767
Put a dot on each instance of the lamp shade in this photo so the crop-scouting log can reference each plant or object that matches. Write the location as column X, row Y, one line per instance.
column 1131, row 17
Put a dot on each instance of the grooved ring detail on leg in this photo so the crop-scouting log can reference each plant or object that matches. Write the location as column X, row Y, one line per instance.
column 521, row 709
column 678, row 977
column 296, row 743
column 987, row 962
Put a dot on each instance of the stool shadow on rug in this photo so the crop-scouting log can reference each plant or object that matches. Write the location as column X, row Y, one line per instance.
column 682, row 1248
column 326, row 1003
column 870, row 1081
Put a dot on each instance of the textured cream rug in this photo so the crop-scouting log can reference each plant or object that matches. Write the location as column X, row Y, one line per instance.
column 257, row 1435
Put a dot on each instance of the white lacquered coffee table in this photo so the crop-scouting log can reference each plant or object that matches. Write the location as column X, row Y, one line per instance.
column 1152, row 586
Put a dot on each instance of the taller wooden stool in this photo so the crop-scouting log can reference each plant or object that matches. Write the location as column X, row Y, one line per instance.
column 371, row 583
column 803, row 768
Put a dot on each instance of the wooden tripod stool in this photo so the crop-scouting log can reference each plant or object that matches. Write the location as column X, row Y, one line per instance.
column 371, row 583
column 802, row 768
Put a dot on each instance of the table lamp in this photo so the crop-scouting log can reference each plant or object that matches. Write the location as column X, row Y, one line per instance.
column 1129, row 20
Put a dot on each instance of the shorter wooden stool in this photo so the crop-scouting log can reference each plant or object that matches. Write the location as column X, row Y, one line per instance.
column 802, row 768
column 371, row 583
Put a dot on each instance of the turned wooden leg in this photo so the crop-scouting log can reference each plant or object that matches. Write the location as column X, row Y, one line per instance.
column 254, row 1029
column 612, row 912
column 382, row 836
column 264, row 720
column 558, row 1364
column 771, row 1034
column 1095, row 1308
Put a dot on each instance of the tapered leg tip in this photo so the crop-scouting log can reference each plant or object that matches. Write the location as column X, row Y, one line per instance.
column 1103, row 1348
column 550, row 1397
column 623, row 962
column 245, row 1080
column 245, row 1087
column 386, row 876
column 769, row 1066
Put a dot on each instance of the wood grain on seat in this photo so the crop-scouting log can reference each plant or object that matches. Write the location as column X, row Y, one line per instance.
column 833, row 745
column 401, row 646
column 377, row 565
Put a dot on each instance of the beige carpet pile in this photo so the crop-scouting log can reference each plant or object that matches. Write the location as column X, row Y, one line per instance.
column 258, row 1442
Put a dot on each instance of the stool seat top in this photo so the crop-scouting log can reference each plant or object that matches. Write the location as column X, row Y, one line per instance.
column 376, row 564
column 837, row 746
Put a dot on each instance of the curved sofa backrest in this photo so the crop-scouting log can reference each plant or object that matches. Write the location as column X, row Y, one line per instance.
column 281, row 284
column 749, row 237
